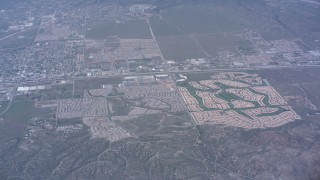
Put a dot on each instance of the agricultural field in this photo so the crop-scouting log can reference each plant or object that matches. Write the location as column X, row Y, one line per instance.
column 203, row 18
column 207, row 30
column 108, row 29
column 236, row 99
column 179, row 47
column 218, row 42
column 122, row 49
column 164, row 28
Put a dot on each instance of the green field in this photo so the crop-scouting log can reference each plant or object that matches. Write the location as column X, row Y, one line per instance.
column 265, row 99
column 199, row 76
column 227, row 96
column 193, row 93
column 222, row 86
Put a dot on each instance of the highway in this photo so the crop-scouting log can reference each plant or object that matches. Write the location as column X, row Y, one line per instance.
column 212, row 70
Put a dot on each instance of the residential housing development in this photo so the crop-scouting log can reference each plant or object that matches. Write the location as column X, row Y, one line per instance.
column 236, row 99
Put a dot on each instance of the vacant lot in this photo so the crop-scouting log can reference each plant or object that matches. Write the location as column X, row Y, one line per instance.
column 95, row 83
column 301, row 85
column 19, row 40
column 21, row 109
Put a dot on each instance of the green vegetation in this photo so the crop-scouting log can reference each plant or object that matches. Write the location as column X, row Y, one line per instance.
column 265, row 99
column 199, row 76
column 227, row 96
column 239, row 111
column 193, row 93
column 231, row 105
column 241, row 81
column 228, row 76
column 222, row 86
column 256, row 104
column 223, row 95
column 279, row 111
column 265, row 82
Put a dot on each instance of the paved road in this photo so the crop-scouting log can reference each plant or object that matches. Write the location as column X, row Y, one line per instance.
column 173, row 72
column 154, row 38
